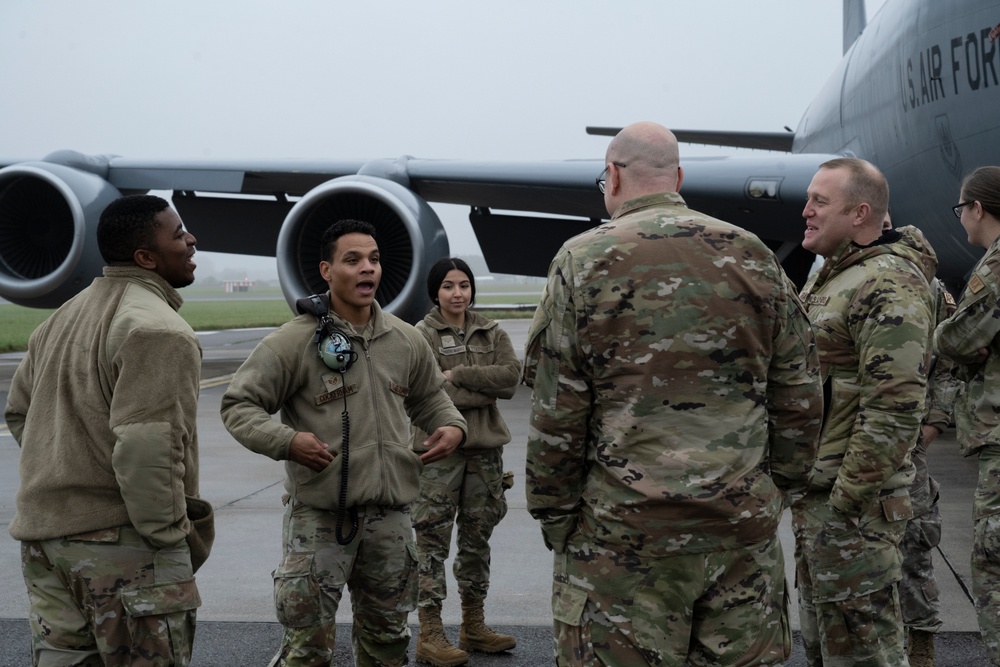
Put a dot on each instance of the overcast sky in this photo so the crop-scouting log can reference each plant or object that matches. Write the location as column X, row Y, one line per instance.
column 518, row 79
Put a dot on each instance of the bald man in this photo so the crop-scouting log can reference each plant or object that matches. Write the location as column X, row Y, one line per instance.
column 675, row 412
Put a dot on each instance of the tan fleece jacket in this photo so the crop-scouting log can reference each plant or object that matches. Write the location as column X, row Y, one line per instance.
column 394, row 381
column 104, row 408
column 484, row 367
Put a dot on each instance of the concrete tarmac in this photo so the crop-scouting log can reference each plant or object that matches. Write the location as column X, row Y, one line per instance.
column 236, row 623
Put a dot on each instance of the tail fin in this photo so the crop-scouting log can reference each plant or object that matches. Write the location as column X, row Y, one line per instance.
column 855, row 20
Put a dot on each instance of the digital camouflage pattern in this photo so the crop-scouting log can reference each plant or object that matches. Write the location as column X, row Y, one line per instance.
column 468, row 485
column 872, row 311
column 714, row 608
column 309, row 583
column 943, row 387
column 918, row 589
column 986, row 551
column 676, row 399
column 849, row 612
column 975, row 325
column 676, row 396
column 108, row 598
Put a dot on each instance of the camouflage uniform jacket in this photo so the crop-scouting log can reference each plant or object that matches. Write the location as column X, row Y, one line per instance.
column 873, row 312
column 942, row 385
column 394, row 380
column 975, row 325
column 676, row 390
column 104, row 406
column 484, row 367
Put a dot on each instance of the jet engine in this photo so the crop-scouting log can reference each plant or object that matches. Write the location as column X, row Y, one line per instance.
column 49, row 212
column 409, row 233
column 48, row 231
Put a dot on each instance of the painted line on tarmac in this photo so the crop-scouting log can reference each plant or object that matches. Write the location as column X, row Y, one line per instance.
column 208, row 383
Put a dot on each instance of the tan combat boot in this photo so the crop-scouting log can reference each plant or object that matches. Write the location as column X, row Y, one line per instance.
column 920, row 649
column 476, row 636
column 432, row 646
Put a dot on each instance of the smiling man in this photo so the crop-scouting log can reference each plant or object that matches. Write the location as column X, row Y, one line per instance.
column 104, row 408
column 872, row 311
column 349, row 482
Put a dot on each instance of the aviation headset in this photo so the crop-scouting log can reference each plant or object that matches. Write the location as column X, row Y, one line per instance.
column 334, row 348
column 333, row 345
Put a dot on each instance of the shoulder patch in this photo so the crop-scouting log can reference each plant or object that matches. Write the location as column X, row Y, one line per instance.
column 948, row 298
column 976, row 284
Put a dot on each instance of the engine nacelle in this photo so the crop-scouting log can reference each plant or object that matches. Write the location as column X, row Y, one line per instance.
column 409, row 233
column 48, row 232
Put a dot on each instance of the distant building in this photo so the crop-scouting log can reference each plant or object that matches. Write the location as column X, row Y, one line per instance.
column 231, row 286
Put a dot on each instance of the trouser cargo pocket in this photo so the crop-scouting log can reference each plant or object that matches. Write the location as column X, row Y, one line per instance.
column 163, row 615
column 296, row 591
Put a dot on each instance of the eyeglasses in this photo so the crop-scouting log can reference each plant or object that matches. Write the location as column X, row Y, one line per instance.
column 957, row 210
column 600, row 179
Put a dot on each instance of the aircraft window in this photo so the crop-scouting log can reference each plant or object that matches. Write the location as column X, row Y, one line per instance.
column 763, row 188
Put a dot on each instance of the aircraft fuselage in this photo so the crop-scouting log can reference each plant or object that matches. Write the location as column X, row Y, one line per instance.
column 918, row 95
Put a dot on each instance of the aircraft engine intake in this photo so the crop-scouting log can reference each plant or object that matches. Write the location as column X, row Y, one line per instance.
column 48, row 232
column 409, row 233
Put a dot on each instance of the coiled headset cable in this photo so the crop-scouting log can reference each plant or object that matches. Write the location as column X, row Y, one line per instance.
column 344, row 467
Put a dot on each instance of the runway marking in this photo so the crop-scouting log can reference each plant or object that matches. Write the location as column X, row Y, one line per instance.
column 209, row 332
column 208, row 383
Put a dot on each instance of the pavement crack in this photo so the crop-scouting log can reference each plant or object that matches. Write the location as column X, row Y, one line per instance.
column 249, row 495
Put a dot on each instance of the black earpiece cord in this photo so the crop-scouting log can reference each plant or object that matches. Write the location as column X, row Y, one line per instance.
column 344, row 454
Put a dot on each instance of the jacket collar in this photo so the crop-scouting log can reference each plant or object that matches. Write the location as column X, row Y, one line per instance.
column 649, row 201
column 473, row 321
column 150, row 280
column 379, row 323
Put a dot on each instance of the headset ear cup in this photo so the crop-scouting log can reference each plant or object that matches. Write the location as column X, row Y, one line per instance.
column 335, row 351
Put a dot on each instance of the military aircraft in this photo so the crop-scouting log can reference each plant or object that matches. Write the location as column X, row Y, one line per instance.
column 916, row 93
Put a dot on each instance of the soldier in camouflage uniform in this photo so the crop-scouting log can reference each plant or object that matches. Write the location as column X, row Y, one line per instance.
column 104, row 406
column 675, row 412
column 872, row 311
column 351, row 475
column 971, row 339
column 918, row 589
column 467, row 488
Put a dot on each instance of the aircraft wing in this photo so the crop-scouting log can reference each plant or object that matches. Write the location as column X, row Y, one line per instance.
column 764, row 194
column 521, row 211
column 768, row 141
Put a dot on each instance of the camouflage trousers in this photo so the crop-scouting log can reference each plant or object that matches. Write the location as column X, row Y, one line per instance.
column 466, row 488
column 612, row 607
column 847, row 576
column 918, row 589
column 108, row 598
column 986, row 549
column 379, row 567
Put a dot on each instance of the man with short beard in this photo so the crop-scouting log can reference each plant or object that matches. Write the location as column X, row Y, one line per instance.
column 103, row 406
